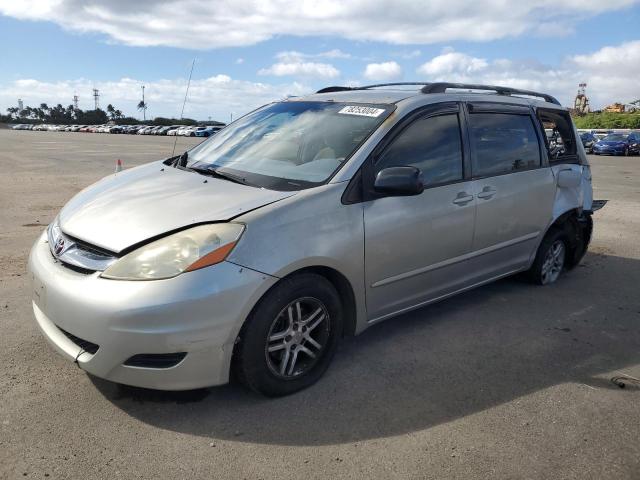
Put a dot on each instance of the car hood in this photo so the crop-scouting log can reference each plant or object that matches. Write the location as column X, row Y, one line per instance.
column 616, row 143
column 135, row 205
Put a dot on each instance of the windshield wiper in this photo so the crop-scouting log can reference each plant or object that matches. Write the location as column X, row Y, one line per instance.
column 226, row 175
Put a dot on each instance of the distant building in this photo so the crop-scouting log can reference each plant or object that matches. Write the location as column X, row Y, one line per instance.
column 615, row 108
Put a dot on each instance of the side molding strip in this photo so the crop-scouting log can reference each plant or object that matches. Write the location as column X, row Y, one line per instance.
column 451, row 261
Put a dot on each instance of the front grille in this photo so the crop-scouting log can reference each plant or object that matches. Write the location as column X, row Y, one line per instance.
column 86, row 345
column 77, row 254
column 75, row 268
column 156, row 360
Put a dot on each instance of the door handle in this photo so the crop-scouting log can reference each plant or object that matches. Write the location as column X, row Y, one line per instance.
column 487, row 193
column 463, row 198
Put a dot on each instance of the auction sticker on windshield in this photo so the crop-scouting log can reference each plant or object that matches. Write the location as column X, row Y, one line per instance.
column 362, row 111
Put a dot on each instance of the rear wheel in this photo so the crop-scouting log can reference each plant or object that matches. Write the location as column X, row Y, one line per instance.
column 291, row 336
column 550, row 258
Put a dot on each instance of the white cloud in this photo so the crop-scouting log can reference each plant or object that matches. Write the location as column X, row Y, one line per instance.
column 452, row 62
column 239, row 61
column 215, row 96
column 301, row 69
column 611, row 73
column 383, row 71
column 205, row 25
column 293, row 56
column 335, row 53
column 409, row 54
column 294, row 63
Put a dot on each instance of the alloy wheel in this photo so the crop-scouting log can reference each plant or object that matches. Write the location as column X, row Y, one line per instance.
column 297, row 337
column 553, row 262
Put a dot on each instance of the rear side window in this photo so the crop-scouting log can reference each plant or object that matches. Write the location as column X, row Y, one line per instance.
column 561, row 144
column 503, row 143
column 432, row 144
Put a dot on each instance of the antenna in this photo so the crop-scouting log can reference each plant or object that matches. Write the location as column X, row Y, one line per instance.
column 96, row 98
column 173, row 152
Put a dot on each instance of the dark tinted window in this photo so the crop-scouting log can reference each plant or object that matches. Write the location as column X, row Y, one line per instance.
column 503, row 143
column 431, row 144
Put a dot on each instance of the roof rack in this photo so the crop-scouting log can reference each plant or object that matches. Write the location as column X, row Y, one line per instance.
column 442, row 87
column 366, row 87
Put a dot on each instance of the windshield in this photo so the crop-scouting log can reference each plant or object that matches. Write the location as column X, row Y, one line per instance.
column 290, row 145
column 614, row 138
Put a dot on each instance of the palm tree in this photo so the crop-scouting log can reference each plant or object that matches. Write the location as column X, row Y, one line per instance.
column 143, row 106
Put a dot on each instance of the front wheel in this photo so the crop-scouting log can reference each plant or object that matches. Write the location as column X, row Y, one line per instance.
column 550, row 258
column 291, row 336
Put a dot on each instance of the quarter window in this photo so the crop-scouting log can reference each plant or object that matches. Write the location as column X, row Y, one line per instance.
column 561, row 146
column 503, row 143
column 432, row 144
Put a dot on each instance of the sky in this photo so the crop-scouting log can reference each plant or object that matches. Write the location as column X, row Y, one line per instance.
column 251, row 52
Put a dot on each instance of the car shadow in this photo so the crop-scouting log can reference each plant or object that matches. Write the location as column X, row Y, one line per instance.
column 445, row 361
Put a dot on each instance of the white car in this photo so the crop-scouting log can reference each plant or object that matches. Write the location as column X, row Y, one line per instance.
column 185, row 131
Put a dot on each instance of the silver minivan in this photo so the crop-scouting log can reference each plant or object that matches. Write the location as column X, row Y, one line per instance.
column 304, row 221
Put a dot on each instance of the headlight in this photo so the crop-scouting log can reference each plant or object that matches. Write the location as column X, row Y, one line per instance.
column 172, row 255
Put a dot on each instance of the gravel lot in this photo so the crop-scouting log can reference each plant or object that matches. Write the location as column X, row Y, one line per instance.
column 506, row 381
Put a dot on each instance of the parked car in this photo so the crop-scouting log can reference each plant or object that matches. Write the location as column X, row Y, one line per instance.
column 162, row 130
column 193, row 132
column 304, row 221
column 205, row 131
column 133, row 129
column 145, row 130
column 588, row 140
column 618, row 144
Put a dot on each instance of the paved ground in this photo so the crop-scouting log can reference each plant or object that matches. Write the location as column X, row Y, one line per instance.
column 507, row 381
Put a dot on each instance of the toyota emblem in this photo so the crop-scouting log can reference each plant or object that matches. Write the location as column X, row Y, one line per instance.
column 59, row 247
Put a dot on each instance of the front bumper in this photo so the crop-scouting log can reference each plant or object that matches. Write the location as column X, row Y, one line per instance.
column 199, row 313
column 608, row 150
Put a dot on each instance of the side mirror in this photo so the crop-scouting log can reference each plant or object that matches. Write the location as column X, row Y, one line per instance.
column 569, row 179
column 399, row 181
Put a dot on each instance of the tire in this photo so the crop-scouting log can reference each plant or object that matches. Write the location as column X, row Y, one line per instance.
column 551, row 258
column 626, row 152
column 270, row 356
